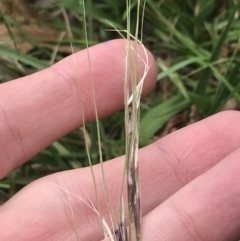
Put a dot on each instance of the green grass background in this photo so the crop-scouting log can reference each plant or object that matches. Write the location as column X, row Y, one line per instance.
column 196, row 45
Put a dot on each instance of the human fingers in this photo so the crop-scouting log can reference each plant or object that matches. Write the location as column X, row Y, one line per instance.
column 177, row 159
column 165, row 167
column 38, row 109
column 208, row 208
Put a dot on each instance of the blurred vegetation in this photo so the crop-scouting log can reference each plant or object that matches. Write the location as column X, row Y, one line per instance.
column 196, row 45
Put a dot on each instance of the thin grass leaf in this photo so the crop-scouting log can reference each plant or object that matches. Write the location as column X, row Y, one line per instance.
column 25, row 58
column 112, row 217
column 186, row 41
column 215, row 55
column 11, row 21
column 203, row 103
column 89, row 9
column 175, row 78
column 9, row 30
column 160, row 114
column 62, row 150
column 228, row 85
column 179, row 65
column 62, row 164
column 222, row 93
column 5, row 185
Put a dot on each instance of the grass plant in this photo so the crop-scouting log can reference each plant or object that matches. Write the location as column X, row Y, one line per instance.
column 132, row 95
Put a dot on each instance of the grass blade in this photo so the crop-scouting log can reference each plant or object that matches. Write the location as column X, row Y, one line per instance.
column 215, row 55
column 160, row 114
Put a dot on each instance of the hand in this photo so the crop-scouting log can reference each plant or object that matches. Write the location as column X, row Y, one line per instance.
column 189, row 179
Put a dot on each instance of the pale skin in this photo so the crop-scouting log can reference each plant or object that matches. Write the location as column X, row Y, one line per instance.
column 190, row 185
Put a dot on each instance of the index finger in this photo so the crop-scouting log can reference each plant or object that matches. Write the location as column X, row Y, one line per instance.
column 38, row 109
